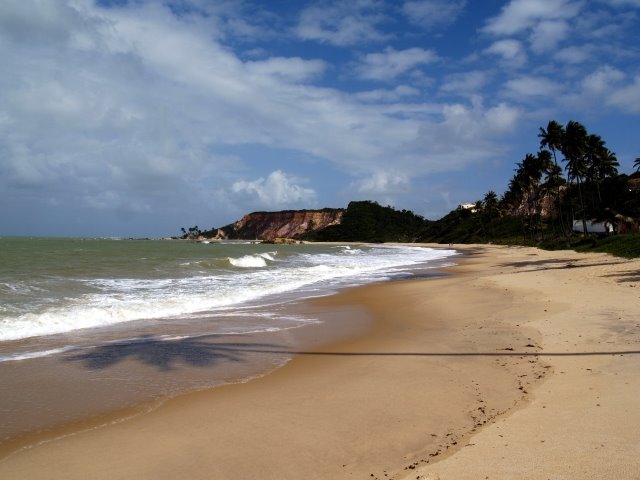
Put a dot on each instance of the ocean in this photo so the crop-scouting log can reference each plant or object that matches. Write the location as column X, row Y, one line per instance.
column 89, row 325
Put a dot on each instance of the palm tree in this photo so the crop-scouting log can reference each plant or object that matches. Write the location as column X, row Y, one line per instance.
column 574, row 148
column 552, row 139
column 491, row 208
column 478, row 209
column 490, row 203
column 514, row 197
column 528, row 176
column 593, row 152
column 636, row 164
column 607, row 167
column 608, row 164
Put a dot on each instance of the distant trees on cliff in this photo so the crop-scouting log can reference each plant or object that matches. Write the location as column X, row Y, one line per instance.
column 191, row 232
column 367, row 221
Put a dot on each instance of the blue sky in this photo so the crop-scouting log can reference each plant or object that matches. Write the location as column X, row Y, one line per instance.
column 136, row 118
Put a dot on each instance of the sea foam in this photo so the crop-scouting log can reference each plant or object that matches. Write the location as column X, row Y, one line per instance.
column 200, row 285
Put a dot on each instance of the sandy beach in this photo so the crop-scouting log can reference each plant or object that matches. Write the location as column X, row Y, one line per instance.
column 521, row 364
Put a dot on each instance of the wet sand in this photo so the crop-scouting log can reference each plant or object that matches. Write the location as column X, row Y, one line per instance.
column 504, row 369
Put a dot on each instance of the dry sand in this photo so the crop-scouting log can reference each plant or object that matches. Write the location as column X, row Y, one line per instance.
column 509, row 368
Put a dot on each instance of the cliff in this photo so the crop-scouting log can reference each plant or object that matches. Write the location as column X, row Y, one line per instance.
column 296, row 224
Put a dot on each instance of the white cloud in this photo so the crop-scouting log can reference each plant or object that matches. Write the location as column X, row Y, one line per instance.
column 54, row 22
column 463, row 123
column 468, row 83
column 383, row 183
column 574, row 54
column 278, row 190
column 532, row 86
column 547, row 34
column 431, row 13
column 392, row 63
column 607, row 86
column 345, row 22
column 392, row 95
column 511, row 51
column 502, row 118
column 520, row 15
column 627, row 98
column 602, row 81
column 287, row 69
column 464, row 135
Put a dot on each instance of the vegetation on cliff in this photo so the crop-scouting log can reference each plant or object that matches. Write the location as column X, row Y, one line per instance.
column 367, row 221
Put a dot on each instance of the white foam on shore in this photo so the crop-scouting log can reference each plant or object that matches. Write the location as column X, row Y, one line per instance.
column 119, row 300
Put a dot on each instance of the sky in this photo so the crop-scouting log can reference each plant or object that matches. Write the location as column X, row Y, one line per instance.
column 139, row 117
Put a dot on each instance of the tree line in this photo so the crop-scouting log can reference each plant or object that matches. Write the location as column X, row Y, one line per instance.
column 573, row 177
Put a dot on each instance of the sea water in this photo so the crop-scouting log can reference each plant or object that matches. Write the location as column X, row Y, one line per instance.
column 56, row 286
column 106, row 323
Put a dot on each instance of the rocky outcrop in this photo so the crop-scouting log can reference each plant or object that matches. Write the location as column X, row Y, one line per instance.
column 295, row 224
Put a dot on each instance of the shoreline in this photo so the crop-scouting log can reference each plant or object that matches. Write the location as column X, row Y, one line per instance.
column 431, row 373
column 103, row 374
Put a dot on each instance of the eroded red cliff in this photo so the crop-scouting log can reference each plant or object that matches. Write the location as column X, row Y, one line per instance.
column 285, row 224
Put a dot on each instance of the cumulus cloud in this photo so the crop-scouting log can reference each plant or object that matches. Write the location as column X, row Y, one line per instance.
column 342, row 22
column 627, row 98
column 602, row 81
column 547, row 34
column 431, row 13
column 510, row 51
column 392, row 63
column 543, row 23
column 530, row 86
column 278, row 190
column 469, row 123
column 613, row 85
column 467, row 83
column 502, row 118
column 383, row 183
column 520, row 15
column 575, row 54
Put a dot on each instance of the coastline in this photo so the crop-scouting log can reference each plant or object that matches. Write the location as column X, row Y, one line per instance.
column 443, row 361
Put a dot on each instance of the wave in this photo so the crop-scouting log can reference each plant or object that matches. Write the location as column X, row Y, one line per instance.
column 257, row 260
column 207, row 288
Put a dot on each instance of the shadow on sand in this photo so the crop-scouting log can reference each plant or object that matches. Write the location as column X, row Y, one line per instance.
column 631, row 276
column 165, row 355
column 208, row 352
column 554, row 264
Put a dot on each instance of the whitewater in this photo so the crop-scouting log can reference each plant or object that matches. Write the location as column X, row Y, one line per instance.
column 58, row 286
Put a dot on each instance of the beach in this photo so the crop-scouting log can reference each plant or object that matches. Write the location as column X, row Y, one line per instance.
column 518, row 363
